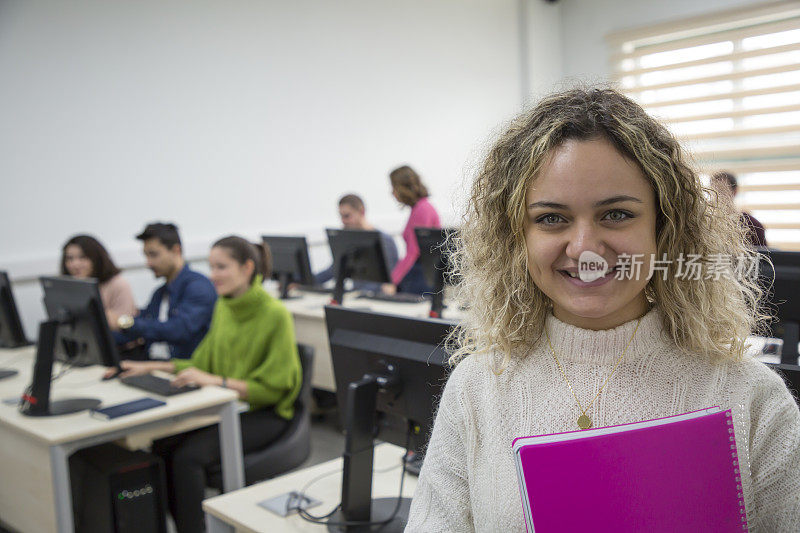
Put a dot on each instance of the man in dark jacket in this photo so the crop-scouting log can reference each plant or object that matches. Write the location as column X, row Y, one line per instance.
column 179, row 313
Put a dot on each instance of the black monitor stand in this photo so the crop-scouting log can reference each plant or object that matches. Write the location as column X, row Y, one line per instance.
column 37, row 401
column 357, row 503
column 437, row 300
column 284, row 279
column 341, row 274
column 16, row 343
column 791, row 336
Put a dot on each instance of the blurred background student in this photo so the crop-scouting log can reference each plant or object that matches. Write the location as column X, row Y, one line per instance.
column 250, row 349
column 84, row 257
column 354, row 216
column 408, row 189
column 726, row 185
column 178, row 315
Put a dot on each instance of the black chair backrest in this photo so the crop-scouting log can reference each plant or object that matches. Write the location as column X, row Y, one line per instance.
column 790, row 375
column 307, row 363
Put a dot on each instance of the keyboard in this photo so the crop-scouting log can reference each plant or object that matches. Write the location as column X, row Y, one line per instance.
column 400, row 297
column 316, row 289
column 156, row 385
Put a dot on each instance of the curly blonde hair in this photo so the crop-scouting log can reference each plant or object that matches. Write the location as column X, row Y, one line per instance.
column 506, row 311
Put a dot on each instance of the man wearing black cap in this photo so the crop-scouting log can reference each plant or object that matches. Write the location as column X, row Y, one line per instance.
column 179, row 313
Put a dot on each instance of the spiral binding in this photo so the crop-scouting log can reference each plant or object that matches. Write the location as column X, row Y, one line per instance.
column 736, row 472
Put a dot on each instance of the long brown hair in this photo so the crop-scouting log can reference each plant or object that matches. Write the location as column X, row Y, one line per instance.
column 407, row 185
column 103, row 268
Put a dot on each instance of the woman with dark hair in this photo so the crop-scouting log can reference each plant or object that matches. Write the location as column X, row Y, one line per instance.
column 251, row 349
column 84, row 257
column 408, row 189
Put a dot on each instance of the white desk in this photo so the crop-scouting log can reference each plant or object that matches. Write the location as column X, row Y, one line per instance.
column 309, row 323
column 239, row 510
column 35, row 492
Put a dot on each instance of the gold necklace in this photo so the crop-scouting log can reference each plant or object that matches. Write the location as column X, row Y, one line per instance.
column 584, row 422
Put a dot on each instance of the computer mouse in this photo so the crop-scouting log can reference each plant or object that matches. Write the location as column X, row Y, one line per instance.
column 112, row 376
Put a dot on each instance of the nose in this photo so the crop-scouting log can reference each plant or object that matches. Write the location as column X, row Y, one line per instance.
column 582, row 237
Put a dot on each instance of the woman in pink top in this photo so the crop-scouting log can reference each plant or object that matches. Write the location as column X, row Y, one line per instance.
column 84, row 257
column 407, row 188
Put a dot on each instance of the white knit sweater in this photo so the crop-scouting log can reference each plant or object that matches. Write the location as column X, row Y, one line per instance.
column 468, row 481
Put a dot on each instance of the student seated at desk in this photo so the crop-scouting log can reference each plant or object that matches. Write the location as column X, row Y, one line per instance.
column 408, row 189
column 353, row 215
column 545, row 348
column 178, row 315
column 727, row 186
column 82, row 256
column 251, row 349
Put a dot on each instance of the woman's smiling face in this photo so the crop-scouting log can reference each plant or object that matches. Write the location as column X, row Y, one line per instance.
column 588, row 197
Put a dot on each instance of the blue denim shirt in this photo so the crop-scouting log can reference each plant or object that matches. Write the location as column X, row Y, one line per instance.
column 389, row 248
column 191, row 303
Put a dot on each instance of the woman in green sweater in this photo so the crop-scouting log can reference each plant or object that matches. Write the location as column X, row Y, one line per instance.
column 251, row 349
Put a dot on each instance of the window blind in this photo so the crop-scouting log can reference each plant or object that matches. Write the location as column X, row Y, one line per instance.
column 728, row 86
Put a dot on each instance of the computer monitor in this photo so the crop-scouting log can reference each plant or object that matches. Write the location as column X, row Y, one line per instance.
column 36, row 399
column 290, row 263
column 390, row 372
column 434, row 257
column 83, row 334
column 12, row 334
column 791, row 376
column 783, row 297
column 359, row 255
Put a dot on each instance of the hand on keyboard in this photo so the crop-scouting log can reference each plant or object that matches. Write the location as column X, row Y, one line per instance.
column 195, row 376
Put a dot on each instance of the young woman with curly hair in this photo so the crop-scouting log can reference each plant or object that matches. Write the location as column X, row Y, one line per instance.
column 545, row 349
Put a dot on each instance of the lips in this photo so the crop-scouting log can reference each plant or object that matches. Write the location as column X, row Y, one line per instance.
column 571, row 277
column 573, row 272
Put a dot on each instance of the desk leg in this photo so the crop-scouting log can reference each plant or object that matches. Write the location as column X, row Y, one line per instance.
column 230, row 437
column 62, row 495
column 215, row 525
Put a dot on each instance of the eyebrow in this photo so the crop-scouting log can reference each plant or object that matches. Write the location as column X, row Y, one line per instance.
column 601, row 203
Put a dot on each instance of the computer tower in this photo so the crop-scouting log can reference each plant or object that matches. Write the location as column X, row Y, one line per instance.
column 115, row 490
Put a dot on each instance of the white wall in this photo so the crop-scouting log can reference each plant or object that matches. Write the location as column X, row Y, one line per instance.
column 585, row 23
column 543, row 55
column 239, row 116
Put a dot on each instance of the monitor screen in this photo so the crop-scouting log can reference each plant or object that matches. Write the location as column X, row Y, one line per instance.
column 785, row 276
column 290, row 262
column 361, row 253
column 12, row 333
column 434, row 254
column 83, row 333
column 408, row 349
column 290, row 257
column 781, row 281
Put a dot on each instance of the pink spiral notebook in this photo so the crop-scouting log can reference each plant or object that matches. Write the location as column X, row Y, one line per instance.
column 679, row 473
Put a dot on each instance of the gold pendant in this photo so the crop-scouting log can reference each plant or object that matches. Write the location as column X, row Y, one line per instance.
column 584, row 422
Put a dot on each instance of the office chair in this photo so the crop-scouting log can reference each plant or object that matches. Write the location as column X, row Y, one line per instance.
column 291, row 448
column 791, row 376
